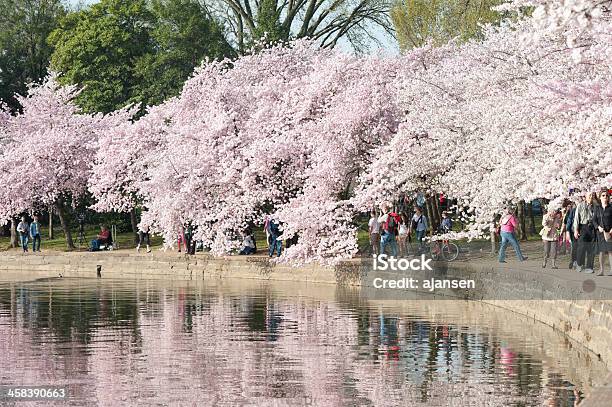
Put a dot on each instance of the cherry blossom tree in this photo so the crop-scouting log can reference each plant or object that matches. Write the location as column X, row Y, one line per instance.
column 47, row 151
column 513, row 117
column 283, row 132
column 313, row 136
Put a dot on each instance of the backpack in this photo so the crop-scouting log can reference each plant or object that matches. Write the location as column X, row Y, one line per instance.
column 392, row 223
column 415, row 223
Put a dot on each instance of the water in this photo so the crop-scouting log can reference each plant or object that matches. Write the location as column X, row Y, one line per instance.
column 222, row 343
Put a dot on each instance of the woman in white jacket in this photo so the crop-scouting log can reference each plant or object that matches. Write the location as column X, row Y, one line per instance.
column 551, row 223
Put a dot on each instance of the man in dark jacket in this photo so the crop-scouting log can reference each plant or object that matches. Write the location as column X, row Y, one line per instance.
column 584, row 232
column 569, row 222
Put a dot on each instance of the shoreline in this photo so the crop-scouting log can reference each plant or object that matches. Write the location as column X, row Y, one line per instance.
column 587, row 322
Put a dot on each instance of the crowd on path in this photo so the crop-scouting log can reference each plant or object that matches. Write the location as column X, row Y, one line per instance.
column 584, row 229
column 389, row 229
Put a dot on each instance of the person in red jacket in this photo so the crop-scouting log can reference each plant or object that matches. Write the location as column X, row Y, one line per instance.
column 103, row 238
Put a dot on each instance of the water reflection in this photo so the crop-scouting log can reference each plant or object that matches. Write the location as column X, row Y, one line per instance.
column 124, row 342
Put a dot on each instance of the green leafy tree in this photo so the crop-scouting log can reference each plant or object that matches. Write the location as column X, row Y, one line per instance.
column 269, row 28
column 134, row 51
column 97, row 48
column 184, row 34
column 419, row 21
column 24, row 51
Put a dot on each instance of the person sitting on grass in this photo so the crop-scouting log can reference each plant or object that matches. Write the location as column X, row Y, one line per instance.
column 248, row 245
column 102, row 239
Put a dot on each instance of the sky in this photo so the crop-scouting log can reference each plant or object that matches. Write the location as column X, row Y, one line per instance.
column 388, row 45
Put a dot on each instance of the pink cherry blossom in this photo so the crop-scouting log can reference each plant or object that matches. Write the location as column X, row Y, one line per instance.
column 48, row 149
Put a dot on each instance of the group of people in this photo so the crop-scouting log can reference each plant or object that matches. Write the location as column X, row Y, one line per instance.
column 273, row 231
column 32, row 232
column 388, row 228
column 585, row 227
column 29, row 232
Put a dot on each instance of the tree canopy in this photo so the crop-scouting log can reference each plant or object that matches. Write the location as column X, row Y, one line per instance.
column 24, row 51
column 133, row 51
column 419, row 21
column 324, row 21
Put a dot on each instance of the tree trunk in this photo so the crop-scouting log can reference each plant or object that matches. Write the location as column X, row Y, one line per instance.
column 13, row 233
column 436, row 207
column 59, row 207
column 429, row 214
column 532, row 225
column 493, row 243
column 521, row 218
column 51, row 234
column 134, row 223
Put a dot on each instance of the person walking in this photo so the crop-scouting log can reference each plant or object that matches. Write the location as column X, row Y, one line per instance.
column 602, row 222
column 584, row 233
column 562, row 240
column 403, row 234
column 551, row 223
column 568, row 222
column 24, row 230
column 419, row 225
column 144, row 238
column 374, row 232
column 389, row 222
column 181, row 239
column 508, row 225
column 35, row 234
column 267, row 230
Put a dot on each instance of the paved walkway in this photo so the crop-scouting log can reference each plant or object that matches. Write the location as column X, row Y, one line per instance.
column 601, row 396
column 477, row 252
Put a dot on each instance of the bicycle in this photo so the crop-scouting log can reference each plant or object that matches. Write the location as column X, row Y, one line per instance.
column 444, row 249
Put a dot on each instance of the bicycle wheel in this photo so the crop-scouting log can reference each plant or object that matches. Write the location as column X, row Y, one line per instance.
column 450, row 251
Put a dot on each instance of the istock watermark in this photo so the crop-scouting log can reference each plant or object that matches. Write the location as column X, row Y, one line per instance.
column 382, row 262
column 390, row 277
